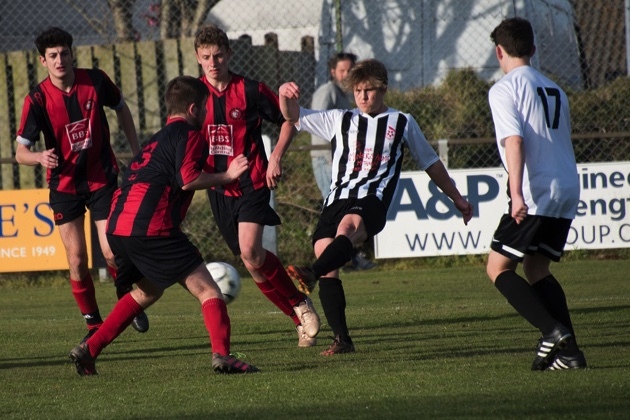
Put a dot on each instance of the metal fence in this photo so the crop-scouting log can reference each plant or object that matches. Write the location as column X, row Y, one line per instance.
column 438, row 53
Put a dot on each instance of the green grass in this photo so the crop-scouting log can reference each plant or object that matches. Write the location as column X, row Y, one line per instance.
column 431, row 343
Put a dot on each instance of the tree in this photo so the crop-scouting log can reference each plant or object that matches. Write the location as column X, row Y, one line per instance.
column 175, row 18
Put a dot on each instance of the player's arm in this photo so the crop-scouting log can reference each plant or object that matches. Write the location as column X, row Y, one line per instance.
column 125, row 120
column 25, row 156
column 515, row 160
column 289, row 93
column 274, row 169
column 438, row 174
column 206, row 180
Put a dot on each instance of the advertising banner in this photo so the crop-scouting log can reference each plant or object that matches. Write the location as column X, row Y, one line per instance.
column 422, row 221
column 29, row 240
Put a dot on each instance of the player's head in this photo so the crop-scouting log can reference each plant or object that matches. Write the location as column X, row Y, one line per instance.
column 369, row 71
column 368, row 82
column 209, row 35
column 187, row 96
column 516, row 36
column 55, row 53
column 213, row 52
column 52, row 37
column 339, row 66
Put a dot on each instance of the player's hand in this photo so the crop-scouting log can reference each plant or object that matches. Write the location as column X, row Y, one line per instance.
column 519, row 209
column 237, row 167
column 274, row 172
column 48, row 159
column 466, row 209
column 290, row 90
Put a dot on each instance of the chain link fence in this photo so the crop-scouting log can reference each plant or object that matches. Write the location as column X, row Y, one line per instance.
column 438, row 52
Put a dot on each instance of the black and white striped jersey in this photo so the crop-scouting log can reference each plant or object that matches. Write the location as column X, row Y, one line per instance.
column 367, row 152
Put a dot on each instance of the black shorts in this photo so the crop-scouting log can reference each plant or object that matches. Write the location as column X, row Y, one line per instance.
column 230, row 211
column 68, row 207
column 163, row 260
column 370, row 208
column 535, row 234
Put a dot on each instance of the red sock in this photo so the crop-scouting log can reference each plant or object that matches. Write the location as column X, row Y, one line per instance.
column 124, row 312
column 217, row 322
column 273, row 271
column 85, row 296
column 277, row 299
column 112, row 272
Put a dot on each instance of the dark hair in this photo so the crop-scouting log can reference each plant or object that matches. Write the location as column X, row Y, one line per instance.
column 211, row 35
column 340, row 56
column 52, row 37
column 515, row 35
column 183, row 91
column 370, row 71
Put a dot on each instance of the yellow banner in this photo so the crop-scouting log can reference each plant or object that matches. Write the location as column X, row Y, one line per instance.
column 29, row 240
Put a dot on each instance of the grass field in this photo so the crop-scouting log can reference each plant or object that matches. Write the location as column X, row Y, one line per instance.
column 431, row 343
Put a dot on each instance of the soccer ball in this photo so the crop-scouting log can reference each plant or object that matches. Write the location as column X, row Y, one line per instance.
column 227, row 279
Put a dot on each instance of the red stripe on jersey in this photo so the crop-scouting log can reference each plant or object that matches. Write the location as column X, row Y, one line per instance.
column 74, row 124
column 233, row 126
column 150, row 201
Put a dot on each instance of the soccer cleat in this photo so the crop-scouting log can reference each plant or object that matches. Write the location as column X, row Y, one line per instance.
column 303, row 339
column 88, row 335
column 308, row 317
column 141, row 323
column 228, row 365
column 338, row 347
column 561, row 362
column 83, row 360
column 360, row 262
column 304, row 277
column 549, row 346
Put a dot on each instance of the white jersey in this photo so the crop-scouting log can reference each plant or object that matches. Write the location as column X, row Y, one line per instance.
column 525, row 103
column 367, row 151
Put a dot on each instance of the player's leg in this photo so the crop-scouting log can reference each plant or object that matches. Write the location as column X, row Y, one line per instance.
column 333, row 300
column 141, row 322
column 510, row 243
column 126, row 309
column 550, row 244
column 263, row 264
column 72, row 235
column 215, row 316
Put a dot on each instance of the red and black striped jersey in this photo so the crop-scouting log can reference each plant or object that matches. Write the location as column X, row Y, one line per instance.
column 74, row 124
column 233, row 126
column 150, row 200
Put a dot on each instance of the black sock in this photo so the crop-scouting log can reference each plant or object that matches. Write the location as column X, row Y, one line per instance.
column 335, row 256
column 333, row 300
column 552, row 296
column 525, row 300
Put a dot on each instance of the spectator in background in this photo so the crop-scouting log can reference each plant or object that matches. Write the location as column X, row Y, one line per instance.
column 332, row 96
column 81, row 170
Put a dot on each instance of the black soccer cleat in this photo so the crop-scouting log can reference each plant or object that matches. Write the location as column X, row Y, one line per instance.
column 141, row 323
column 562, row 362
column 83, row 360
column 228, row 365
column 549, row 346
